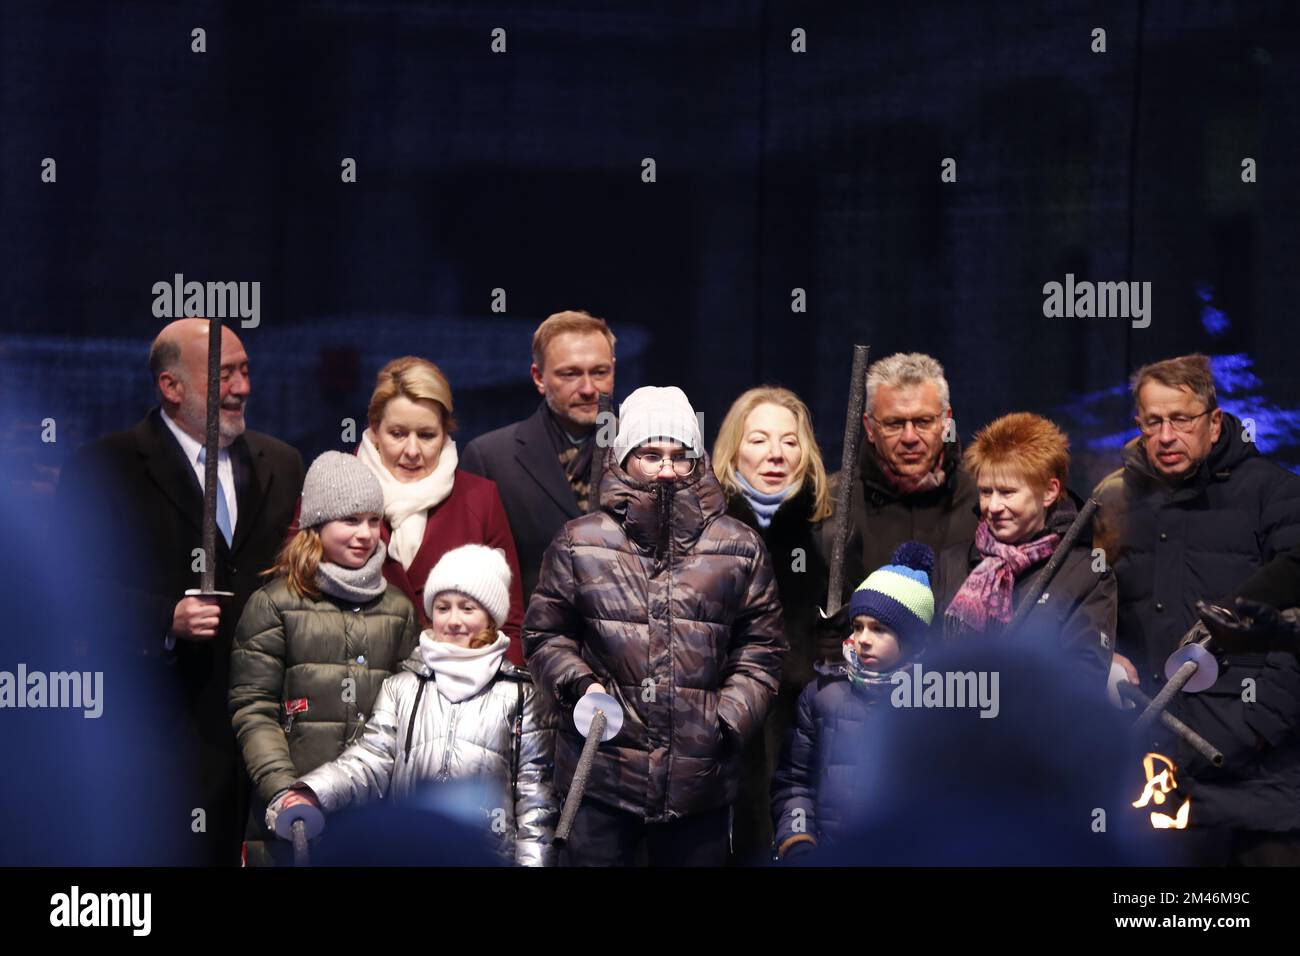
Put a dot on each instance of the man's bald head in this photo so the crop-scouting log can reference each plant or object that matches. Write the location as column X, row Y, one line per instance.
column 178, row 361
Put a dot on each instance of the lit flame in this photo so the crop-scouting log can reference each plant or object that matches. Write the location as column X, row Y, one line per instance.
column 1158, row 785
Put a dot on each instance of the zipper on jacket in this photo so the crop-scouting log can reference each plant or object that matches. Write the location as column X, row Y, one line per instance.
column 668, row 616
column 356, row 732
column 663, row 514
column 410, row 723
column 445, row 773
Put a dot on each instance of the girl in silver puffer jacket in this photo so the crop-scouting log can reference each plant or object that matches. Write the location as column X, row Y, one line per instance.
column 457, row 709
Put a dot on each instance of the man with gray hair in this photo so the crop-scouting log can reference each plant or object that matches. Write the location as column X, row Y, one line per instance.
column 134, row 503
column 909, row 485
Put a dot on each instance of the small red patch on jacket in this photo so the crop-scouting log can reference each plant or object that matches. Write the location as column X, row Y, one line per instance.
column 295, row 706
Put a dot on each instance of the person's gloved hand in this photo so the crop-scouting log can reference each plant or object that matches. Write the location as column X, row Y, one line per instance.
column 1198, row 632
column 830, row 634
column 1267, row 618
column 1249, row 621
column 286, row 799
column 1119, row 673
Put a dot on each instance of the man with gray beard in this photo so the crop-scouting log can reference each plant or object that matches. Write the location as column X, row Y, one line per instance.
column 134, row 502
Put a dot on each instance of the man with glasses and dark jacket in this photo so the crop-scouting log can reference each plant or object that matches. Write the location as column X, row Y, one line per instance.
column 909, row 484
column 1192, row 514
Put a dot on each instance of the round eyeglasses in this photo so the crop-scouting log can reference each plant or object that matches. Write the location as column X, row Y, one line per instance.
column 653, row 463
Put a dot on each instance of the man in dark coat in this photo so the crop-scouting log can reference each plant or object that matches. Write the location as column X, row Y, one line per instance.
column 136, row 499
column 1194, row 512
column 542, row 464
column 910, row 486
column 666, row 603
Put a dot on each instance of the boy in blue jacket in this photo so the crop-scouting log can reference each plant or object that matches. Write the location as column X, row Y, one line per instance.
column 815, row 783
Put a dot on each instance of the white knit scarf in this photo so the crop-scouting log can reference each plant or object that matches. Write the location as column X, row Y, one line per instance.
column 407, row 503
column 461, row 672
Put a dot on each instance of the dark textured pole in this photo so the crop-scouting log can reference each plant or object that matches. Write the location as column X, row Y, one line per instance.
column 580, row 774
column 1166, row 696
column 1130, row 692
column 301, row 856
column 841, row 522
column 212, row 445
column 604, row 405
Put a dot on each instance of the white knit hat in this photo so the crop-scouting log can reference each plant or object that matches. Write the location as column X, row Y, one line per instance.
column 476, row 570
column 653, row 412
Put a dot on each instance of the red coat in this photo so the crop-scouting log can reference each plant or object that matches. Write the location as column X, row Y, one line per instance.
column 471, row 514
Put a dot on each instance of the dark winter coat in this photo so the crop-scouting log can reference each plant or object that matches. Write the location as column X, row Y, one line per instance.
column 289, row 704
column 1171, row 545
column 471, row 514
column 881, row 519
column 801, row 574
column 537, row 496
column 819, row 780
column 1079, row 604
column 672, row 606
column 1276, row 583
column 139, row 510
column 794, row 545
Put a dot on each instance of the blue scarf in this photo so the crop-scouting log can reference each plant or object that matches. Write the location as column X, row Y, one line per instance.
column 764, row 506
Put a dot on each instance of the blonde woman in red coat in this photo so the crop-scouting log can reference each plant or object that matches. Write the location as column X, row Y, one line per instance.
column 430, row 507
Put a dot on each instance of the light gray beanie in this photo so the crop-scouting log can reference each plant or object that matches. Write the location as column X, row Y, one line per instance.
column 653, row 412
column 476, row 570
column 337, row 486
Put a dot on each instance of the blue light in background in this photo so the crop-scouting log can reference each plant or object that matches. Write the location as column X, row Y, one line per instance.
column 1241, row 392
column 1213, row 320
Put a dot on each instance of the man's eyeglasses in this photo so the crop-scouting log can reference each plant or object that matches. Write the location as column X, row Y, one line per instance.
column 896, row 426
column 1179, row 423
column 653, row 463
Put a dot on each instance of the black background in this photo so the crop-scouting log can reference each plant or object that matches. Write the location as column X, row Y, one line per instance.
column 775, row 170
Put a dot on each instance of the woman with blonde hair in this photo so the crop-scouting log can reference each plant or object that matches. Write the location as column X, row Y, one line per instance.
column 1020, row 464
column 767, row 460
column 430, row 506
column 314, row 644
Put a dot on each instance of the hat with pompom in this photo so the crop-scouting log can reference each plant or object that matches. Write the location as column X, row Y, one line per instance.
column 898, row 595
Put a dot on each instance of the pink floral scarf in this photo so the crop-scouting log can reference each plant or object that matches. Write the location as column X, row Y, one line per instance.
column 985, row 597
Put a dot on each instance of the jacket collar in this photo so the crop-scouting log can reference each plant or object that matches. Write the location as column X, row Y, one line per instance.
column 793, row 512
column 535, row 455
column 657, row 516
column 170, row 471
column 1229, row 452
column 416, row 664
column 874, row 483
column 164, row 462
column 1059, row 519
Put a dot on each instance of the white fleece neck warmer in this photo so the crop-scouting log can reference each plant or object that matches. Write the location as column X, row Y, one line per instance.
column 407, row 503
column 461, row 672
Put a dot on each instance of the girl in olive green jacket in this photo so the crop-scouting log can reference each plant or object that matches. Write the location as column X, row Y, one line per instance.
column 314, row 645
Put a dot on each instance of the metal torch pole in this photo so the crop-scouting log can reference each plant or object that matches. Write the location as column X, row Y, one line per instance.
column 842, row 520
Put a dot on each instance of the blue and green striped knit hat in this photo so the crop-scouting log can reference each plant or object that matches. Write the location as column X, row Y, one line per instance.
column 898, row 595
